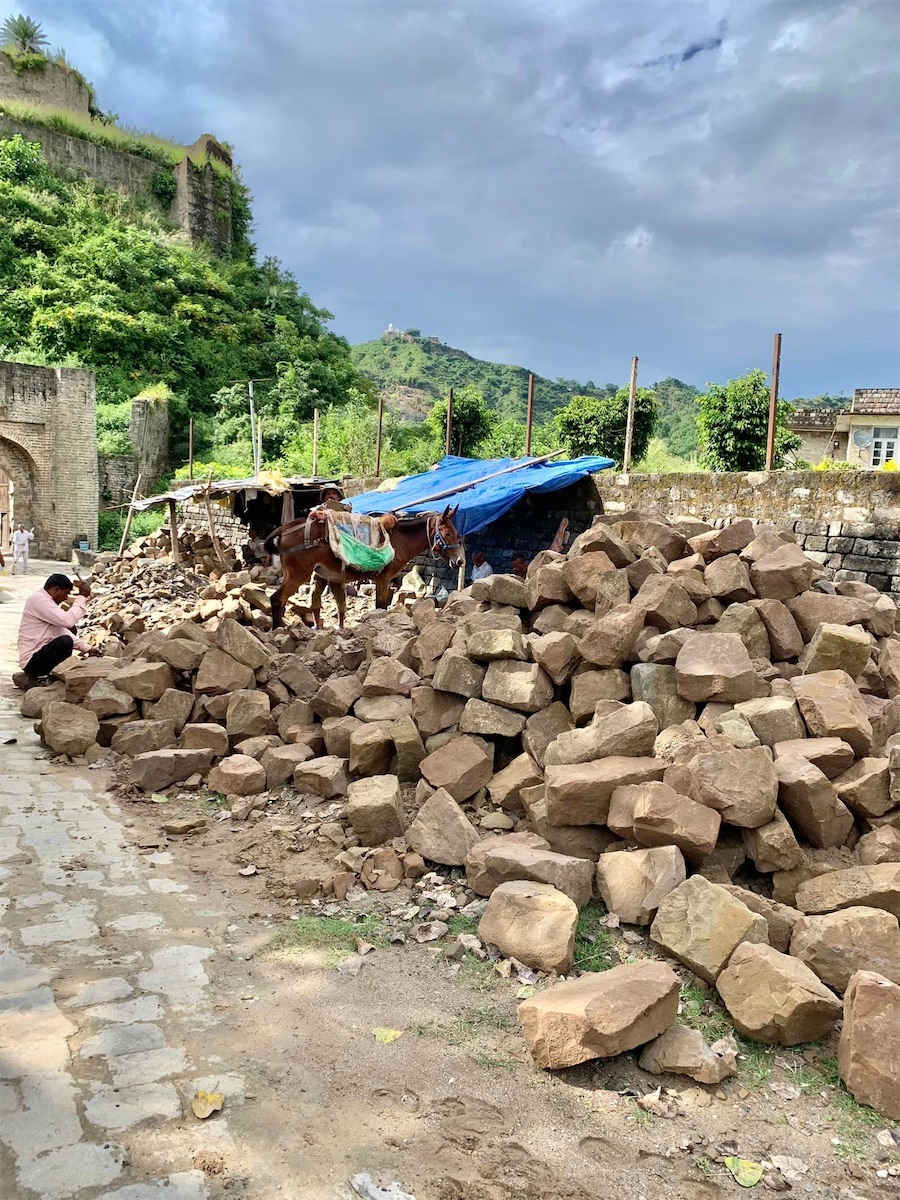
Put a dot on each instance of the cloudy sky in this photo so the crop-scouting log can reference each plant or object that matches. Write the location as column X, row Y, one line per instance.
column 556, row 183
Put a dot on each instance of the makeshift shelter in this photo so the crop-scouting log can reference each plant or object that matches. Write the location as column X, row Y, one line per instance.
column 484, row 489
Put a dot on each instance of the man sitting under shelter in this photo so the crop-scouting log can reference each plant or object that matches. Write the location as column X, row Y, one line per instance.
column 481, row 567
column 47, row 633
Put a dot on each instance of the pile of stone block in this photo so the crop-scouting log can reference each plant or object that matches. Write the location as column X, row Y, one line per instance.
column 690, row 723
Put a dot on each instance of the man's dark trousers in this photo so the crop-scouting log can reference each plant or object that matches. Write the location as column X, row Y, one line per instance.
column 44, row 660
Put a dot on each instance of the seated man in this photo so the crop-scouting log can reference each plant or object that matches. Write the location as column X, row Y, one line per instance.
column 520, row 566
column 254, row 551
column 481, row 568
column 47, row 633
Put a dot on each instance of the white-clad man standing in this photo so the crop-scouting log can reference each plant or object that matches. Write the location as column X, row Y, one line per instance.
column 22, row 539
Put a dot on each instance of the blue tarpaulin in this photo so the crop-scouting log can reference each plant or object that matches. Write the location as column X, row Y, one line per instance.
column 483, row 503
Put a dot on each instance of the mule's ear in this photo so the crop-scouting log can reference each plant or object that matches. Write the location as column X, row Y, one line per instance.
column 445, row 513
column 453, row 512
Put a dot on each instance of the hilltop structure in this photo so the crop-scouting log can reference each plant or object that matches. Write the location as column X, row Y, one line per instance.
column 50, row 102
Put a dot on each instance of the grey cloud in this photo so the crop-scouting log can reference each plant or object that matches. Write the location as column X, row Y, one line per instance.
column 506, row 176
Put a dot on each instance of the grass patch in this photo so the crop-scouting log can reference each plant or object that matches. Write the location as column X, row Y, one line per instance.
column 699, row 1010
column 331, row 937
column 462, row 924
column 593, row 941
column 467, row 1026
column 755, row 1062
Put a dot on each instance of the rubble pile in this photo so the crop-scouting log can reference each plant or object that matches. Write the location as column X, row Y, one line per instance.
column 691, row 723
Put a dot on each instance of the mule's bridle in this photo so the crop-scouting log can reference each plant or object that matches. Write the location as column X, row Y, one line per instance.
column 439, row 544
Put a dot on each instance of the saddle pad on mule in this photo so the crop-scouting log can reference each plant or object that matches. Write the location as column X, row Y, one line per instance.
column 360, row 542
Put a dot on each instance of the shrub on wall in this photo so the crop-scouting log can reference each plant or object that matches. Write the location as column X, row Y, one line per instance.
column 163, row 185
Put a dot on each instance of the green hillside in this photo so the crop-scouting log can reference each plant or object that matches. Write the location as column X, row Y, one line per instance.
column 413, row 371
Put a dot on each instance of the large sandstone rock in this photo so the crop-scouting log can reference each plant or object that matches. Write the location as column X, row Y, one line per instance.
column 810, row 802
column 610, row 640
column 280, row 762
column 490, row 645
column 240, row 644
column 589, row 687
column 785, row 639
column 728, row 540
column 375, row 809
column 879, row 846
column 143, row 680
column 248, row 714
column 384, row 709
column 633, row 884
column 296, row 714
column 782, row 574
column 500, row 589
column 337, row 696
column 371, row 750
column 463, row 766
column 80, row 675
column 836, row 945
column 629, row 731
column 139, row 737
column 532, row 922
column 582, row 575
column 746, row 622
column 579, row 794
column 813, row 609
column 435, row 711
column 546, row 587
column 775, row 999
column 866, row 787
column 837, row 648
column 490, row 720
column 388, row 677
column 408, row 748
column 504, row 862
column 656, row 685
column 326, row 777
column 773, row 846
column 773, row 719
column 681, row 1051
column 729, row 580
column 869, row 1049
column 237, row 775
column 505, row 789
column 543, row 728
column 525, row 687
column 68, row 728
column 220, row 674
column 716, row 666
column 105, row 699
column 780, row 918
column 871, row 887
column 601, row 537
column 739, row 784
column 644, row 534
column 665, row 603
column 458, row 675
column 599, row 1015
column 336, row 734
column 441, row 831
column 159, row 769
column 557, row 654
column 476, row 874
column 831, row 755
column 182, row 654
column 660, row 816
column 700, row 924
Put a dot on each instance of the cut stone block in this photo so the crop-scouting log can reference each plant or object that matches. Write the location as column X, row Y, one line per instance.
column 441, row 831
column 810, row 802
column 463, row 766
column 716, row 666
column 700, row 924
column 871, row 887
column 775, row 999
column 531, row 922
column 579, row 794
column 869, row 1048
column 375, row 809
column 837, row 945
column 633, row 884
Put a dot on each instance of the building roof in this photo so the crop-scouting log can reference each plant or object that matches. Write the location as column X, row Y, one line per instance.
column 815, row 418
column 484, row 489
column 876, row 401
column 267, row 481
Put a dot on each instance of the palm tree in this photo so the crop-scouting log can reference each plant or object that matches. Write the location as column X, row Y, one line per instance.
column 25, row 34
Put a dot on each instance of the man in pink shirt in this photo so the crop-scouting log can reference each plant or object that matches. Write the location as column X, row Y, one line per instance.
column 47, row 633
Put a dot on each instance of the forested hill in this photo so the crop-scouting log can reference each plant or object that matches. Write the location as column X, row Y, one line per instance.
column 413, row 371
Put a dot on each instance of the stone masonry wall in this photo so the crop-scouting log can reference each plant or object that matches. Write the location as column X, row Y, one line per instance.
column 202, row 204
column 48, row 448
column 52, row 86
column 118, row 474
column 114, row 169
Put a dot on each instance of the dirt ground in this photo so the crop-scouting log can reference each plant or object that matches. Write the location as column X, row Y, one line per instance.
column 409, row 1066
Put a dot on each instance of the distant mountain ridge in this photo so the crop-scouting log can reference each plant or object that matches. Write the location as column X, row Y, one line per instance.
column 413, row 371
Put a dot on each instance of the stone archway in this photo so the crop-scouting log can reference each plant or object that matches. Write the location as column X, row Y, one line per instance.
column 18, row 465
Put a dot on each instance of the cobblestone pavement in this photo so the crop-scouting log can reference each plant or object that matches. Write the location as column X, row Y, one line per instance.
column 107, row 1026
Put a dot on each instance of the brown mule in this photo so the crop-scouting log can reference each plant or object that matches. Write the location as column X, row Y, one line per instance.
column 304, row 550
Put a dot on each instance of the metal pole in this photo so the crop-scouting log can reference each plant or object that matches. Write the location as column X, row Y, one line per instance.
column 529, row 418
column 378, row 436
column 128, row 519
column 252, row 427
column 191, row 450
column 258, row 445
column 773, row 403
column 449, row 422
column 315, row 461
column 629, row 424
column 173, row 532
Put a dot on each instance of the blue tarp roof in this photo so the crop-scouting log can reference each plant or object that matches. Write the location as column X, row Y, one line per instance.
column 484, row 503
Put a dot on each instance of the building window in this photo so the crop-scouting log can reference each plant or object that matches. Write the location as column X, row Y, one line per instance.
column 884, row 444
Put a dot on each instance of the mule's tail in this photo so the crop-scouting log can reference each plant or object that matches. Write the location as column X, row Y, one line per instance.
column 272, row 541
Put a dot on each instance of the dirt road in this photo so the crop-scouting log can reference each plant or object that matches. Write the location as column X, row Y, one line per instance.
column 136, row 969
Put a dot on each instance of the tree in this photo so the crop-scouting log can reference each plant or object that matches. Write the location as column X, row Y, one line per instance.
column 25, row 34
column 471, row 422
column 596, row 424
column 733, row 422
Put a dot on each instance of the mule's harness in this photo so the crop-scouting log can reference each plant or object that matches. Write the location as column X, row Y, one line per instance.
column 437, row 542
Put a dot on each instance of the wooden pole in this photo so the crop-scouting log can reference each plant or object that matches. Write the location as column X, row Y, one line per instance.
column 773, row 402
column 217, row 545
column 464, row 487
column 128, row 519
column 258, row 445
column 191, row 450
column 529, row 418
column 315, row 461
column 378, row 436
column 449, row 422
column 629, row 424
column 461, row 573
column 173, row 532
